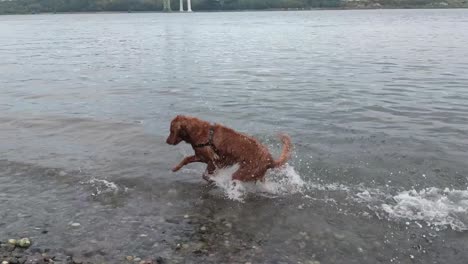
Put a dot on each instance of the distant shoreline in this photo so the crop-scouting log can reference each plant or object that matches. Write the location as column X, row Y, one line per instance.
column 239, row 11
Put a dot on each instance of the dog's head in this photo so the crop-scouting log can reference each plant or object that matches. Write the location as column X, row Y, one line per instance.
column 177, row 130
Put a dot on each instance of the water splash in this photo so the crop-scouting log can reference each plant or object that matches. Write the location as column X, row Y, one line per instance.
column 277, row 182
column 438, row 208
column 434, row 206
column 101, row 186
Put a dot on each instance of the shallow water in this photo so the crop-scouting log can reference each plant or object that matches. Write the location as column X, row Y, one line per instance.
column 375, row 101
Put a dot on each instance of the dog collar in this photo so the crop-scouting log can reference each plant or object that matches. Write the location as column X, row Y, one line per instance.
column 210, row 141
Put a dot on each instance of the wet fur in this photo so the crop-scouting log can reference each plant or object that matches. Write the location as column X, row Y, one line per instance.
column 233, row 147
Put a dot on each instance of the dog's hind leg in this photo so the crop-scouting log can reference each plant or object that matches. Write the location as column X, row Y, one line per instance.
column 249, row 173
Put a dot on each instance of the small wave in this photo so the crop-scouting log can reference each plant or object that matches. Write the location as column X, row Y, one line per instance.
column 101, row 186
column 328, row 187
column 437, row 207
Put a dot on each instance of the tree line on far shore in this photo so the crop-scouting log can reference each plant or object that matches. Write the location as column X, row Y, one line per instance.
column 59, row 6
column 62, row 6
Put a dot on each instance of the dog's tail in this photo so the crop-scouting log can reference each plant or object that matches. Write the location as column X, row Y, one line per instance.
column 285, row 154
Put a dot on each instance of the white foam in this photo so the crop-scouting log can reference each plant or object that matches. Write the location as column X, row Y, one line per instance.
column 438, row 208
column 281, row 182
column 328, row 187
column 277, row 182
column 234, row 190
column 434, row 206
column 102, row 186
column 371, row 195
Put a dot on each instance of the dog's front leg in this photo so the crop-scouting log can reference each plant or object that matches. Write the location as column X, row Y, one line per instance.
column 186, row 161
column 210, row 169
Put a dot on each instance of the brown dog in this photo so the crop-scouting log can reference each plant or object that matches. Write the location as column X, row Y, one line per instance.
column 220, row 147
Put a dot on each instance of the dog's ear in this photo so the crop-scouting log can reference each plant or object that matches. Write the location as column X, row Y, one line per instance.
column 179, row 118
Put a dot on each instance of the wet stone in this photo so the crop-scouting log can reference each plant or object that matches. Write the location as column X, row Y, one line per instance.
column 302, row 245
column 9, row 247
column 13, row 261
column 339, row 236
column 76, row 260
column 173, row 221
column 24, row 243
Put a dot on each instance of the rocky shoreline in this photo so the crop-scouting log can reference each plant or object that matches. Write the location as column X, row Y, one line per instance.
column 22, row 251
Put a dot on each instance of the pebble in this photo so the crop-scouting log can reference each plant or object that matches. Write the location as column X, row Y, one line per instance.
column 4, row 262
column 248, row 263
column 8, row 247
column 129, row 258
column 203, row 228
column 339, row 236
column 78, row 260
column 75, row 224
column 24, row 243
column 185, row 246
column 186, row 216
column 159, row 260
column 12, row 241
column 142, row 262
column 302, row 245
column 137, row 259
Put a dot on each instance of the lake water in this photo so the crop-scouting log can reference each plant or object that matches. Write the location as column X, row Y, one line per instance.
column 376, row 103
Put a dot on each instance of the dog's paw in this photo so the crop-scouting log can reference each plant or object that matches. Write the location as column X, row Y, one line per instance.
column 207, row 178
column 175, row 169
